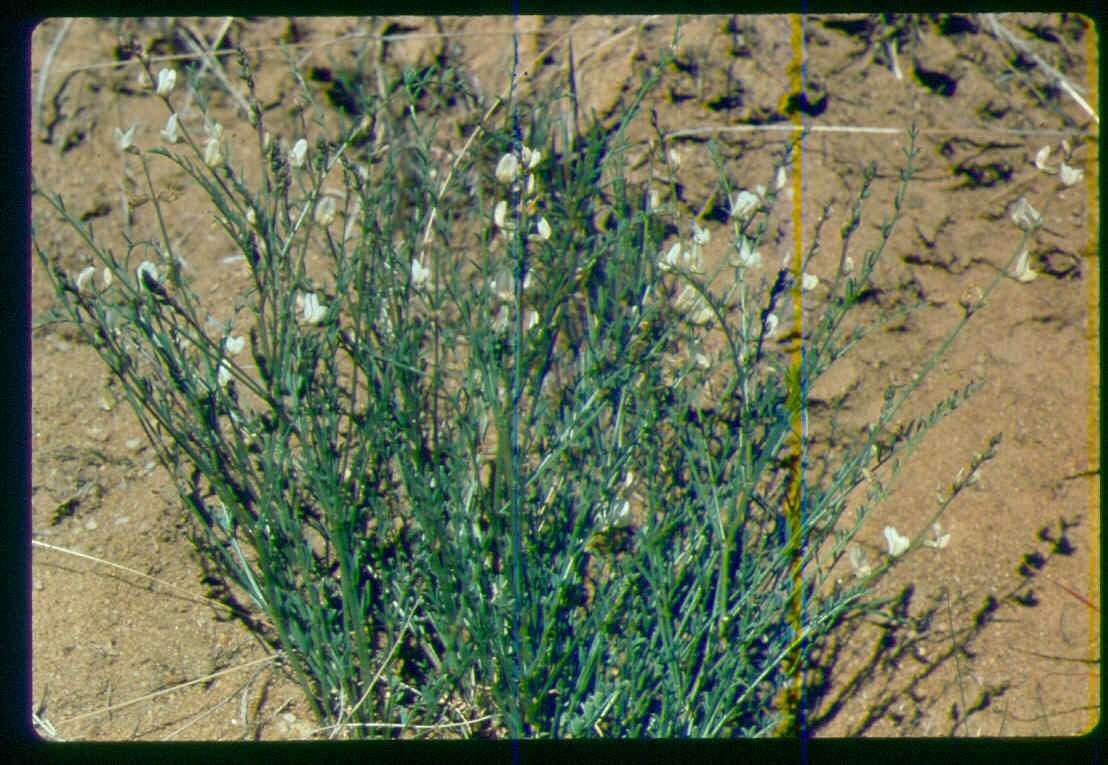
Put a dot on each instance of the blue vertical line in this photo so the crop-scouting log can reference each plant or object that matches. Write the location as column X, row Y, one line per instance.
column 517, row 562
column 801, row 711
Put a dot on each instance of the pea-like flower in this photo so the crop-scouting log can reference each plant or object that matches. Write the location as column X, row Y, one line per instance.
column 421, row 275
column 125, row 139
column 146, row 272
column 213, row 153
column 897, row 543
column 1022, row 269
column 325, row 211
column 298, row 153
column 83, row 278
column 744, row 204
column 1069, row 175
column 224, row 374
column 701, row 236
column 1041, row 159
column 167, row 78
column 1024, row 215
column 312, row 312
column 542, row 231
column 507, row 169
column 235, row 344
column 939, row 540
column 747, row 257
column 531, row 157
column 781, row 179
column 771, row 324
column 858, row 561
column 169, row 132
column 808, row 282
column 500, row 216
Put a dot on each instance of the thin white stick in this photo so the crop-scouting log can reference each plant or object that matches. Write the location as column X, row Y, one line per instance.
column 44, row 74
column 213, row 62
column 1000, row 31
column 164, row 691
column 94, row 559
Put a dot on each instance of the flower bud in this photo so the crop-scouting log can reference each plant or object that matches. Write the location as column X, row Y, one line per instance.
column 507, row 169
column 213, row 153
column 298, row 152
column 325, row 211
column 169, row 133
column 167, row 78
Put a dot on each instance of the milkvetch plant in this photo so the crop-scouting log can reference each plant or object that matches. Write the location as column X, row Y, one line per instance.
column 467, row 451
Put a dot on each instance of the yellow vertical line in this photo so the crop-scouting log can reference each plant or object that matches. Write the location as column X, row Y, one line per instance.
column 1092, row 184
column 790, row 699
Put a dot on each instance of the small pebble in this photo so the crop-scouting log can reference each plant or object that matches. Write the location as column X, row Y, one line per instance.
column 134, row 444
column 91, row 524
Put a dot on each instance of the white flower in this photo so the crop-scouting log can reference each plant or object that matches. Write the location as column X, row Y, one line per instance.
column 507, row 169
column 747, row 256
column 701, row 236
column 531, row 157
column 224, row 373
column 897, row 543
column 671, row 259
column 781, row 179
column 808, row 282
column 1069, row 175
column 235, row 344
column 542, row 231
column 500, row 216
column 771, row 324
column 674, row 158
column 169, row 133
column 325, row 211
column 213, row 153
column 654, row 199
column 107, row 276
column 1022, row 269
column 1024, row 215
column 83, row 277
column 848, row 264
column 941, row 540
column 420, row 274
column 213, row 129
column 858, row 561
column 298, row 153
column 1041, row 159
column 744, row 204
column 167, row 78
column 532, row 320
column 148, row 268
column 124, row 140
column 312, row 312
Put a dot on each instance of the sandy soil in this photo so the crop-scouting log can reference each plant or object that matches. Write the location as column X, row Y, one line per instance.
column 1001, row 626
